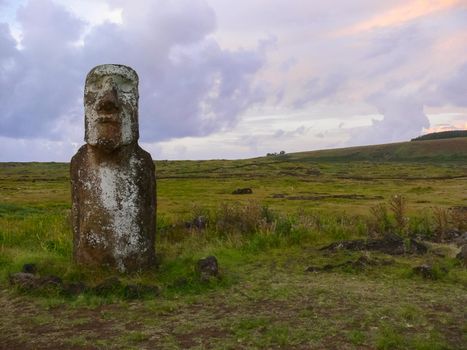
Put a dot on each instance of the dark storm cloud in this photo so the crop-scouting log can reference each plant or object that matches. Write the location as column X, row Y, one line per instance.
column 189, row 85
column 201, row 91
column 40, row 82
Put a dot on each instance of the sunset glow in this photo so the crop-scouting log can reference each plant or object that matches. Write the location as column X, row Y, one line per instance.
column 222, row 79
column 439, row 128
column 404, row 13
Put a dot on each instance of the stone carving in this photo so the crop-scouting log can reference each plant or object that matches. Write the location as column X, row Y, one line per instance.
column 112, row 177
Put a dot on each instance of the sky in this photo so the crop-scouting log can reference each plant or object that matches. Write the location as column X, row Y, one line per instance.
column 235, row 79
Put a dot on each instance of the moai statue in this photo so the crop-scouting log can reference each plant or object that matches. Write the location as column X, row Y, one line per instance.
column 113, row 178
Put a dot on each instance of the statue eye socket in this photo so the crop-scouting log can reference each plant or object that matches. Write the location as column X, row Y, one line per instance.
column 93, row 85
column 90, row 96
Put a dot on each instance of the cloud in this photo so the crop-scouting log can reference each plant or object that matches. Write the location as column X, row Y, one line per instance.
column 399, row 14
column 301, row 130
column 203, row 71
column 447, row 127
column 201, row 90
column 7, row 44
column 41, row 82
column 319, row 88
column 403, row 119
column 38, row 149
column 406, row 75
column 190, row 86
column 449, row 91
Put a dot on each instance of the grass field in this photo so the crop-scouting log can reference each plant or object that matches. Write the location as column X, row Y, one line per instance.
column 265, row 242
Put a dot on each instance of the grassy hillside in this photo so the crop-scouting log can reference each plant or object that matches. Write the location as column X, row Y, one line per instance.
column 348, row 180
column 425, row 151
column 277, row 288
column 442, row 135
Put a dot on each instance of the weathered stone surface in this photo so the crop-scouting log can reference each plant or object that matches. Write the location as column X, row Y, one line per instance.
column 112, row 177
column 461, row 240
column 24, row 280
column 243, row 191
column 199, row 223
column 51, row 280
column 390, row 244
column 362, row 262
column 426, row 271
column 29, row 281
column 207, row 267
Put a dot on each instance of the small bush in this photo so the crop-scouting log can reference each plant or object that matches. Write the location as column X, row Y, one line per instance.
column 247, row 219
column 380, row 222
column 441, row 218
column 459, row 218
column 284, row 225
column 398, row 206
column 422, row 225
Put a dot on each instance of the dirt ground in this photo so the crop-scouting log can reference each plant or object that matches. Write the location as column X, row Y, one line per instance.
column 280, row 306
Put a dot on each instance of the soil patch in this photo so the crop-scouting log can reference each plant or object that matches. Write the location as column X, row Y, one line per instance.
column 198, row 337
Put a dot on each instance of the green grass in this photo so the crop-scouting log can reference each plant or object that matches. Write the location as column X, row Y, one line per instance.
column 264, row 243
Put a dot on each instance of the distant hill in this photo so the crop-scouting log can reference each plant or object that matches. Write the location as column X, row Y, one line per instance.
column 453, row 149
column 442, row 135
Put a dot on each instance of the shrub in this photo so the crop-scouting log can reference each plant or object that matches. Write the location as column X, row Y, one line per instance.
column 398, row 206
column 422, row 225
column 459, row 218
column 380, row 222
column 247, row 219
column 441, row 218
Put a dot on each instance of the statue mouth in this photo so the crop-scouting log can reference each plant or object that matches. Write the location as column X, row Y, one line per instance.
column 108, row 119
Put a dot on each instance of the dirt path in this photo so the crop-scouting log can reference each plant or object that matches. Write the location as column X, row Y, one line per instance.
column 276, row 309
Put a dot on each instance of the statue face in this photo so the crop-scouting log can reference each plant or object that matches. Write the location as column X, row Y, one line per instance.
column 111, row 107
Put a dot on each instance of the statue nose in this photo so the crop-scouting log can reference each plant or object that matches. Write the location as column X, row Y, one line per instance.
column 108, row 102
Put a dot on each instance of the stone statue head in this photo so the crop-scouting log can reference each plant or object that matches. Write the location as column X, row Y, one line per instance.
column 111, row 107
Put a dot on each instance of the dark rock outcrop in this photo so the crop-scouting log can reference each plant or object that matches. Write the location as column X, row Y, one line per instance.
column 390, row 244
column 207, row 267
column 29, row 268
column 425, row 271
column 246, row 190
